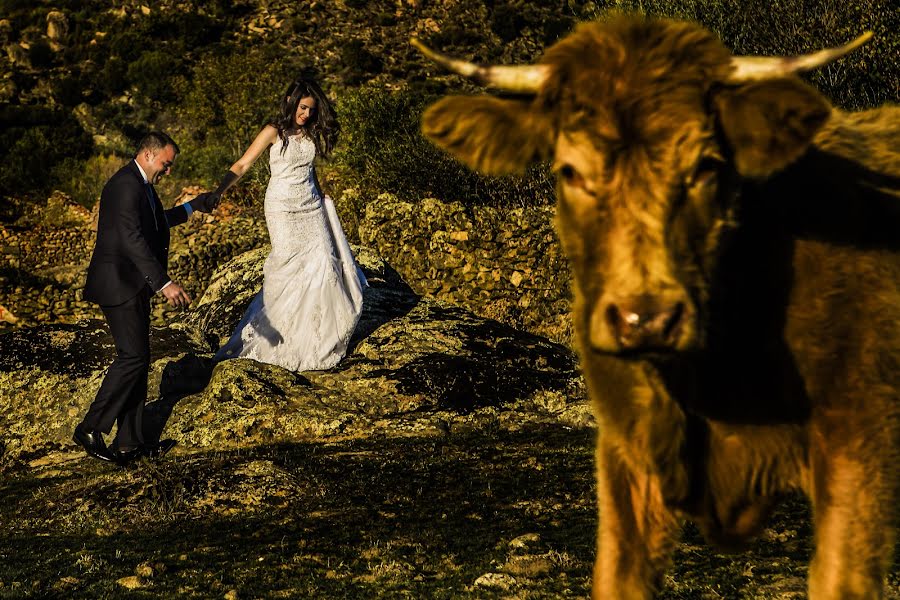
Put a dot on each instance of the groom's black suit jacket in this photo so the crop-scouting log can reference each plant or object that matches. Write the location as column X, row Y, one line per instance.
column 132, row 245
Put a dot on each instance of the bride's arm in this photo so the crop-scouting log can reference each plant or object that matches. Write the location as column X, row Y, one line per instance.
column 264, row 139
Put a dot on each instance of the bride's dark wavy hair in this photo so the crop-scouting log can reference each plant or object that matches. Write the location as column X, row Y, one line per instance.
column 322, row 127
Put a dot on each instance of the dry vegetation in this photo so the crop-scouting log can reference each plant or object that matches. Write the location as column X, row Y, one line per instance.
column 478, row 515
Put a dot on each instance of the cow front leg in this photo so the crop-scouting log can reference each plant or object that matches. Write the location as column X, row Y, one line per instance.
column 636, row 533
column 854, row 511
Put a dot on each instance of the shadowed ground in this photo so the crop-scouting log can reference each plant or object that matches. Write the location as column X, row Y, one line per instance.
column 480, row 515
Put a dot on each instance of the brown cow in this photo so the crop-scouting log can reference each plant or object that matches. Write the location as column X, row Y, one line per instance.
column 735, row 250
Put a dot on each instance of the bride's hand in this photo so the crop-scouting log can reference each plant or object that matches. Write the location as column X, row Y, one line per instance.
column 205, row 202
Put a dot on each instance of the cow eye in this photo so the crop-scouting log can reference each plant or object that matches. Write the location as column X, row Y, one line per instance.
column 706, row 171
column 572, row 177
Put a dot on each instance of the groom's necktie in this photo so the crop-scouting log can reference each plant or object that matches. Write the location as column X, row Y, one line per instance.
column 149, row 189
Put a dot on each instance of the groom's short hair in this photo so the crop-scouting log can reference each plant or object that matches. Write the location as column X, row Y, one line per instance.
column 156, row 141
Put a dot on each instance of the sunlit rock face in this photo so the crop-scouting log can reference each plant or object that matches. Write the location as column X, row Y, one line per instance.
column 504, row 264
column 415, row 367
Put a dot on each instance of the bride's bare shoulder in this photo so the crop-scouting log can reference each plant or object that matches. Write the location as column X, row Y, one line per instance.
column 268, row 134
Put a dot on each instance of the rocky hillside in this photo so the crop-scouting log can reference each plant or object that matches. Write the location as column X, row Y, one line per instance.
column 501, row 264
column 46, row 253
column 80, row 82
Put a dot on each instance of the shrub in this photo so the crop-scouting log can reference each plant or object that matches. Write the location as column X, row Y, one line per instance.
column 114, row 76
column 126, row 45
column 299, row 25
column 382, row 147
column 557, row 27
column 67, row 90
column 151, row 73
column 509, row 18
column 190, row 29
column 203, row 162
column 10, row 6
column 359, row 62
column 385, row 19
column 118, row 116
column 40, row 55
column 83, row 180
column 227, row 99
column 455, row 34
column 507, row 22
column 32, row 143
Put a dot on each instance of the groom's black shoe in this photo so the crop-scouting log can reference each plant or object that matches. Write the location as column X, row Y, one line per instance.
column 92, row 442
column 128, row 456
column 157, row 450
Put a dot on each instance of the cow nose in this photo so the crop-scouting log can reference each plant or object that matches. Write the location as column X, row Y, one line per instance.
column 642, row 324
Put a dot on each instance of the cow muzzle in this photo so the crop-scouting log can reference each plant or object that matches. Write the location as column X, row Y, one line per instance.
column 642, row 323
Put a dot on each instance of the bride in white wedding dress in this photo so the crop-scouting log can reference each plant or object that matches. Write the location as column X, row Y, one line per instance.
column 311, row 297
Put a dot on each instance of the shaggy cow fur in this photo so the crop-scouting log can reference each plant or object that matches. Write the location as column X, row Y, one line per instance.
column 736, row 272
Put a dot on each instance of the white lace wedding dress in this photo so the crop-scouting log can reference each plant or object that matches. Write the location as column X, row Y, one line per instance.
column 311, row 297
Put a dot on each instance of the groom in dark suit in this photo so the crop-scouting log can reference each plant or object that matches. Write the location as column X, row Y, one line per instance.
column 129, row 266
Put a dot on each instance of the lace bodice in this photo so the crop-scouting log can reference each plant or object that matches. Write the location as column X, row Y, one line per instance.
column 292, row 186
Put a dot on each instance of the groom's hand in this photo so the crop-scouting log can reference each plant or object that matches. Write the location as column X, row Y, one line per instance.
column 175, row 295
column 205, row 202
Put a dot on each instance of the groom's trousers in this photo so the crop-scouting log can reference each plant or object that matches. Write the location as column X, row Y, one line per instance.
column 123, row 393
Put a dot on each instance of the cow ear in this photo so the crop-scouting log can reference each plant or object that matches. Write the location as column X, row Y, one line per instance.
column 496, row 136
column 769, row 124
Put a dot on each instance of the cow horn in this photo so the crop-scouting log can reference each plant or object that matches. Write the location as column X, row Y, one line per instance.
column 519, row 78
column 751, row 68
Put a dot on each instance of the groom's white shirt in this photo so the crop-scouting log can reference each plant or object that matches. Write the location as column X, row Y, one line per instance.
column 187, row 207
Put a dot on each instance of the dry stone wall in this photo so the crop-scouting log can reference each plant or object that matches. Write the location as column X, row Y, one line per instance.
column 44, row 258
column 504, row 264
